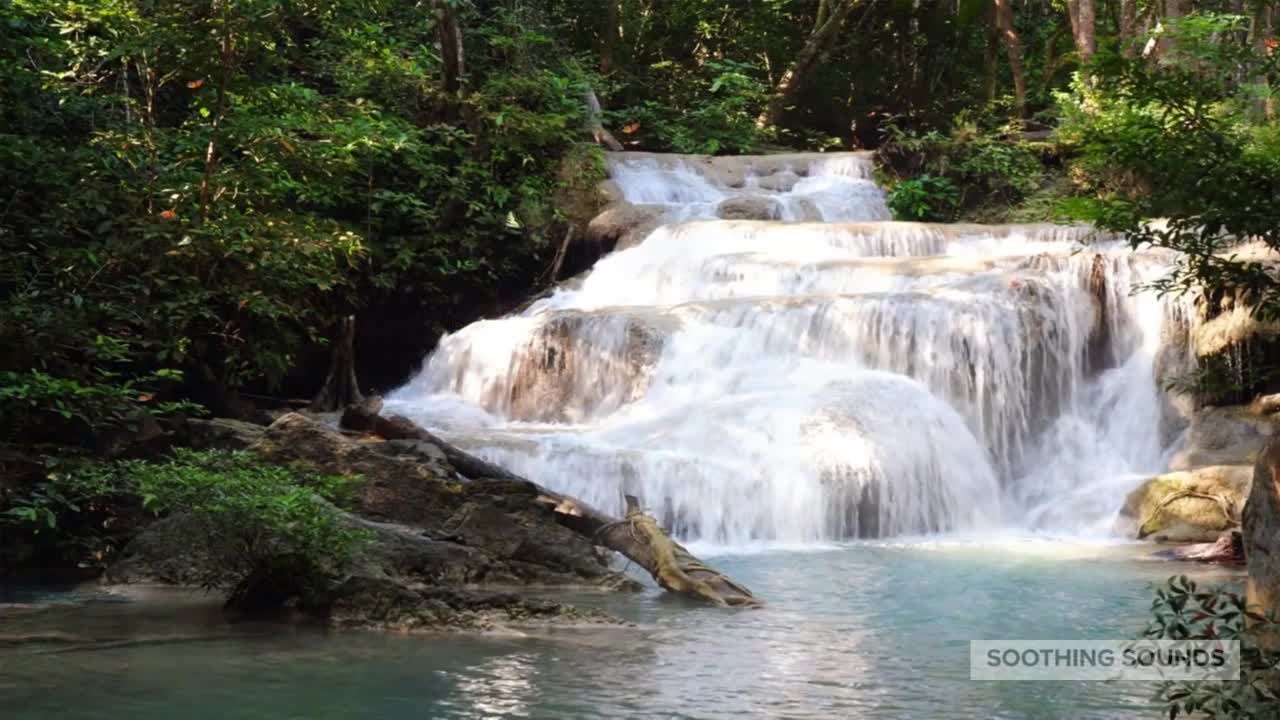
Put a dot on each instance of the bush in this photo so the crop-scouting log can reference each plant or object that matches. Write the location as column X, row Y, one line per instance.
column 716, row 112
column 248, row 529
column 925, row 198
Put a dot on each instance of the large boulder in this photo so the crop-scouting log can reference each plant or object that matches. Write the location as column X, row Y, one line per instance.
column 1222, row 436
column 622, row 225
column 1187, row 506
column 749, row 207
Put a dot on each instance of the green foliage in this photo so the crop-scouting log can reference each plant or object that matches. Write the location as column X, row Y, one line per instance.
column 714, row 112
column 244, row 521
column 980, row 166
column 924, row 198
column 1181, row 139
column 241, row 521
column 1184, row 611
column 211, row 190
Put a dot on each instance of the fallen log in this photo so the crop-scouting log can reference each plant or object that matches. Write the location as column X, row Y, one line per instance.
column 637, row 536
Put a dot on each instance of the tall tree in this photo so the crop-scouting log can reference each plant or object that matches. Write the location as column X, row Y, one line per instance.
column 1013, row 45
column 990, row 56
column 826, row 29
column 1262, row 34
column 1084, row 21
column 1128, row 26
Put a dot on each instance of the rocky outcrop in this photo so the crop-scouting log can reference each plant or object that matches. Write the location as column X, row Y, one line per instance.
column 622, row 225
column 1222, row 436
column 1188, row 506
column 436, row 536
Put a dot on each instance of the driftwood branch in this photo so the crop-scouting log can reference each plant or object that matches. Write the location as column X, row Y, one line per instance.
column 636, row 536
column 1224, row 505
column 595, row 124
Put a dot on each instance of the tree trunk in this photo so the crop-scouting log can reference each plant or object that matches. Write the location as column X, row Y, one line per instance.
column 1013, row 45
column 807, row 61
column 1261, row 528
column 1262, row 33
column 340, row 388
column 610, row 36
column 452, row 61
column 990, row 56
column 636, row 536
column 1128, row 26
column 1084, row 21
column 1173, row 9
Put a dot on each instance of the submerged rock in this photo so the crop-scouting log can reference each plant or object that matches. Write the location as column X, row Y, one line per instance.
column 1228, row 549
column 384, row 604
column 1188, row 506
column 749, row 207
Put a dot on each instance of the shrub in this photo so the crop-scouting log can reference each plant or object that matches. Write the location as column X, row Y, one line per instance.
column 1183, row 611
column 925, row 198
column 258, row 532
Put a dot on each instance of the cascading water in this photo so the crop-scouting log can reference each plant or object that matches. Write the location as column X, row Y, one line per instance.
column 823, row 375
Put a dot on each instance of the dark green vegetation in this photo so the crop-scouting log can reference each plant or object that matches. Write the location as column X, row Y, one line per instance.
column 244, row 524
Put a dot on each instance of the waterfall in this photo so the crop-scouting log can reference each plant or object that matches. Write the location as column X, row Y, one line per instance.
column 823, row 374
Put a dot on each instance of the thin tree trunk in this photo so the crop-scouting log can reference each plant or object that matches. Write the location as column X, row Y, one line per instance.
column 224, row 79
column 1128, row 26
column 340, row 388
column 1262, row 36
column 807, row 61
column 1084, row 21
column 1173, row 9
column 452, row 61
column 1013, row 46
column 990, row 56
column 609, row 38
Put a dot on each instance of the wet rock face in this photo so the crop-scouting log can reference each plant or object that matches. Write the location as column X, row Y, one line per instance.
column 1189, row 506
column 1222, row 436
column 622, row 225
column 579, row 364
column 749, row 207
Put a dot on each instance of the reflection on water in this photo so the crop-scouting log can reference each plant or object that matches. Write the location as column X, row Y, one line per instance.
column 869, row 630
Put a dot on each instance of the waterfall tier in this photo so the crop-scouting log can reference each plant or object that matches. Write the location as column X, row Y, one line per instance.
column 822, row 375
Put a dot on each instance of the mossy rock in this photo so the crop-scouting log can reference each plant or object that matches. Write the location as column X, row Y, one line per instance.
column 1188, row 506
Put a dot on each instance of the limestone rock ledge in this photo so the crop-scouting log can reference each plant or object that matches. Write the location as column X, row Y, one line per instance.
column 441, row 544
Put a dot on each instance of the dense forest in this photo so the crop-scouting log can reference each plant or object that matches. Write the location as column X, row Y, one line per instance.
column 195, row 192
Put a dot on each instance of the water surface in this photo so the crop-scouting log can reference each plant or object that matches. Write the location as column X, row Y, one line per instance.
column 858, row 631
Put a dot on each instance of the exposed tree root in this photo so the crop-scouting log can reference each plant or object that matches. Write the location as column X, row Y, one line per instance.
column 1225, row 505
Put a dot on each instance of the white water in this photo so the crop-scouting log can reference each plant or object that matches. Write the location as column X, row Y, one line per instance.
column 799, row 381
